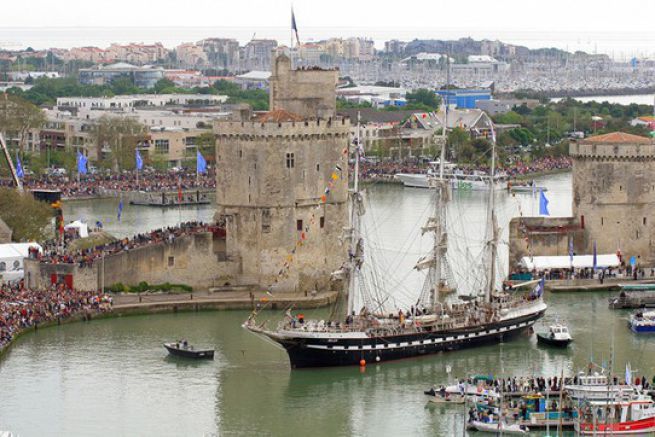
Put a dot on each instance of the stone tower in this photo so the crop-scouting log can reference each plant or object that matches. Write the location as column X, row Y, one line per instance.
column 310, row 92
column 614, row 194
column 272, row 173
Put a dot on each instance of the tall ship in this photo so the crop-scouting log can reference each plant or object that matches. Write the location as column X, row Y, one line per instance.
column 366, row 333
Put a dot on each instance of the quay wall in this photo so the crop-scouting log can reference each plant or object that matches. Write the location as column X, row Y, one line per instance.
column 543, row 236
column 197, row 260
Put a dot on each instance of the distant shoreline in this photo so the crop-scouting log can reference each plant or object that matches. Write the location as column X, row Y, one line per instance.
column 602, row 92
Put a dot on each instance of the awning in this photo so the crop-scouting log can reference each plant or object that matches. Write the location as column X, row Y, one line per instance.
column 81, row 227
column 564, row 262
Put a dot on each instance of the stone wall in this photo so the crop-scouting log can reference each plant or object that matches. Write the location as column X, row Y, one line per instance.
column 197, row 260
column 544, row 236
column 5, row 233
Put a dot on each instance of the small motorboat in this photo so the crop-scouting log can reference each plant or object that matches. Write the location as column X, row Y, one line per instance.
column 184, row 349
column 498, row 427
column 642, row 321
column 557, row 335
column 443, row 397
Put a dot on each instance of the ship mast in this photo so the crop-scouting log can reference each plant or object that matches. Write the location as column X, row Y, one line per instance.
column 492, row 231
column 355, row 249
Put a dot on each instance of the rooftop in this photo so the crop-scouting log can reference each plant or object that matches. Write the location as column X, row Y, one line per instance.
column 617, row 138
column 278, row 116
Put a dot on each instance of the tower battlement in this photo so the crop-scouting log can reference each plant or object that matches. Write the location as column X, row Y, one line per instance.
column 337, row 127
column 616, row 146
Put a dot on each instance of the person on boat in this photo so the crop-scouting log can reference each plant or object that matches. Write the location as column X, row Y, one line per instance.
column 185, row 344
column 442, row 391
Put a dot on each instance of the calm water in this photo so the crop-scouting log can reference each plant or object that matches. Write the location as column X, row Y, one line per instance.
column 113, row 377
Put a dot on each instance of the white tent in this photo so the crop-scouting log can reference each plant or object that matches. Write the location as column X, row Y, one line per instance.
column 81, row 228
column 540, row 263
column 11, row 259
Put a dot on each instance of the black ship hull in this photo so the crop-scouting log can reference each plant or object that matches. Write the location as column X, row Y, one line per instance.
column 328, row 352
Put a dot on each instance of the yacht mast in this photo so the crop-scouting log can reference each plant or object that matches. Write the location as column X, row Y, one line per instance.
column 354, row 251
column 491, row 222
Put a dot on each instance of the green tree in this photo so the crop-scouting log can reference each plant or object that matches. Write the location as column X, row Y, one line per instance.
column 28, row 218
column 116, row 139
column 163, row 84
column 424, row 97
column 18, row 117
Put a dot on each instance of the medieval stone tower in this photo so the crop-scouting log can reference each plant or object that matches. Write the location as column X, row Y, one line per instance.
column 614, row 194
column 283, row 230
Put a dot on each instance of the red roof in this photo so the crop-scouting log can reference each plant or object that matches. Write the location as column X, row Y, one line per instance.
column 617, row 138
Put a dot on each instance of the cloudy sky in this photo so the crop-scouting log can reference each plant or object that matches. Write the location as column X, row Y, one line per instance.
column 607, row 23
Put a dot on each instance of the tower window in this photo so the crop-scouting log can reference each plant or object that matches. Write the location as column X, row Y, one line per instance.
column 644, row 221
column 322, row 222
column 291, row 160
column 318, row 167
column 299, row 225
column 602, row 221
column 240, row 153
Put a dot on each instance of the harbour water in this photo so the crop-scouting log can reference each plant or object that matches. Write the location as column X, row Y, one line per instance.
column 113, row 377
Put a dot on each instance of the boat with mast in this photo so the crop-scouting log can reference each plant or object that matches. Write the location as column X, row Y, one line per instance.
column 371, row 335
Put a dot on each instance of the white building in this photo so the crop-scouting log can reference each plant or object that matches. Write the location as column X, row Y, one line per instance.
column 139, row 100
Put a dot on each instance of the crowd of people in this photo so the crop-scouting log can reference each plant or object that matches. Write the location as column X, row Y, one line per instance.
column 22, row 308
column 386, row 169
column 85, row 257
column 99, row 184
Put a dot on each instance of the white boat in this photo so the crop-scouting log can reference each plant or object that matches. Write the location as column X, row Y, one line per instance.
column 557, row 335
column 472, row 390
column 457, row 179
column 597, row 387
column 526, row 188
column 498, row 427
column 642, row 321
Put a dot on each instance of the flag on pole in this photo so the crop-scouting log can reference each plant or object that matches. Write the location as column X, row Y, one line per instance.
column 571, row 250
column 628, row 374
column 543, row 204
column 595, row 258
column 201, row 164
column 294, row 26
column 81, row 163
column 120, row 209
column 493, row 134
column 139, row 161
column 19, row 168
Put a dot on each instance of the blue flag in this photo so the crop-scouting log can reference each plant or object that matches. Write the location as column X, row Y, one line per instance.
column 139, row 161
column 543, row 204
column 595, row 259
column 120, row 209
column 201, row 164
column 81, row 163
column 541, row 286
column 19, row 168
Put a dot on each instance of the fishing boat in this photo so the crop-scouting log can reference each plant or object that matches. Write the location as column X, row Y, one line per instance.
column 498, row 428
column 642, row 321
column 372, row 335
column 631, row 417
column 183, row 349
column 556, row 335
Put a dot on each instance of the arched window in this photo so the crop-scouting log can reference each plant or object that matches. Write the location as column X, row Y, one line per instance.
column 3, row 266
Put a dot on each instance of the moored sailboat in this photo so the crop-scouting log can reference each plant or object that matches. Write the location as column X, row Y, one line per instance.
column 431, row 326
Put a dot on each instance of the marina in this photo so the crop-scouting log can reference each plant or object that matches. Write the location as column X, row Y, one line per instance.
column 243, row 364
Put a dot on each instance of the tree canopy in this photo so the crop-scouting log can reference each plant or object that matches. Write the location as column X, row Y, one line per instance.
column 28, row 218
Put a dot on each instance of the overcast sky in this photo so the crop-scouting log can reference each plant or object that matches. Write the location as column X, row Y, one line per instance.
column 629, row 21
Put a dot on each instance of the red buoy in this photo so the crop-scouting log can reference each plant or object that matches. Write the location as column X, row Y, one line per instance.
column 362, row 362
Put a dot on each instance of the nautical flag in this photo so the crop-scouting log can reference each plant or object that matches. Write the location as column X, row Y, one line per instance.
column 595, row 258
column 571, row 250
column 628, row 374
column 541, row 286
column 81, row 163
column 294, row 26
column 120, row 209
column 543, row 204
column 493, row 134
column 201, row 164
column 139, row 161
column 19, row 168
